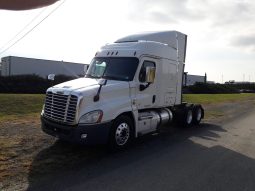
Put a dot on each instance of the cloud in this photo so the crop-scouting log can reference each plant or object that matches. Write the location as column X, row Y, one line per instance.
column 245, row 41
column 226, row 22
column 164, row 11
column 229, row 13
column 218, row 13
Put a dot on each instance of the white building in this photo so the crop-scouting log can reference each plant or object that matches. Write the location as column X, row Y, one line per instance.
column 13, row 65
column 189, row 80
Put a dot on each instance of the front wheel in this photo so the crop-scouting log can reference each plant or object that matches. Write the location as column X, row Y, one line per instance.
column 121, row 133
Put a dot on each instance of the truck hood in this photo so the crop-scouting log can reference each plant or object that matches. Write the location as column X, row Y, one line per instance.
column 114, row 96
column 87, row 86
column 77, row 84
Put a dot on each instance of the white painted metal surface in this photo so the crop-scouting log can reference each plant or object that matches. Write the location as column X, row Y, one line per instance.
column 173, row 39
column 165, row 49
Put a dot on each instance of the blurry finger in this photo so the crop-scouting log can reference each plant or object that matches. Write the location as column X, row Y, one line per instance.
column 25, row 4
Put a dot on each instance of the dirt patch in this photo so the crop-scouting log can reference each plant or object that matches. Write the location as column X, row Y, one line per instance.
column 20, row 142
column 25, row 151
column 223, row 112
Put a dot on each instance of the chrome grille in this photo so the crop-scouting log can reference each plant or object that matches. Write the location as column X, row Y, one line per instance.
column 60, row 107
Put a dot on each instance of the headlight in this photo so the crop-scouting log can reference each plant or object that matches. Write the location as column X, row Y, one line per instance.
column 92, row 117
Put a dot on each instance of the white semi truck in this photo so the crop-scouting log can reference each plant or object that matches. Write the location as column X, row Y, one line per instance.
column 132, row 87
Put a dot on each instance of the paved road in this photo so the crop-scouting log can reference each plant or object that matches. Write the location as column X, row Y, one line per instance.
column 212, row 157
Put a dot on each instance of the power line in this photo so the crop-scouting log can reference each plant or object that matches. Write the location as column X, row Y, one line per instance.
column 23, row 29
column 23, row 36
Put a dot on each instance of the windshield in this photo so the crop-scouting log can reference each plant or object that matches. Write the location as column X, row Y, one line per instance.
column 113, row 68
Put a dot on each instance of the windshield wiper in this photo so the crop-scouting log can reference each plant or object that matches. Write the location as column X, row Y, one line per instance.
column 110, row 77
column 90, row 76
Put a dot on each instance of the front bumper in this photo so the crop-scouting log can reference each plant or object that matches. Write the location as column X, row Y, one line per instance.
column 92, row 134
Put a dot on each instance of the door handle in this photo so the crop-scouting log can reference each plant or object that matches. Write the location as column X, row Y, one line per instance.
column 153, row 98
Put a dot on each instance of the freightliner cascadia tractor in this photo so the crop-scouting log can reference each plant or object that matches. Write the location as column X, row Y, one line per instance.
column 132, row 87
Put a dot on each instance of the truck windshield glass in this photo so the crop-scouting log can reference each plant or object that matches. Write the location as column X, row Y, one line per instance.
column 117, row 68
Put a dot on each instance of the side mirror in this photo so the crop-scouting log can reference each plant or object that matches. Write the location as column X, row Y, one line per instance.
column 51, row 77
column 149, row 77
column 102, row 82
column 150, row 74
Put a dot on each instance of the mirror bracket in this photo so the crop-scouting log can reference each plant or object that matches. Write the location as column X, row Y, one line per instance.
column 51, row 77
column 143, row 86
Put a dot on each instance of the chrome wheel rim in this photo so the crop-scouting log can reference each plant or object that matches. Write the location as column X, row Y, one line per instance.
column 199, row 114
column 189, row 117
column 122, row 134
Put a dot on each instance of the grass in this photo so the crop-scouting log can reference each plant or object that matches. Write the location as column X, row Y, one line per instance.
column 17, row 106
column 217, row 98
column 20, row 134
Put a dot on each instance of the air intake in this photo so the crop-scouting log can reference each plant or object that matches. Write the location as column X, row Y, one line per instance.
column 61, row 108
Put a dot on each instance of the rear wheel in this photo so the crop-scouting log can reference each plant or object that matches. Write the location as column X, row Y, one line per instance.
column 121, row 132
column 197, row 114
column 188, row 117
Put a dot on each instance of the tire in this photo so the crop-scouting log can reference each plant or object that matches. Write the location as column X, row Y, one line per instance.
column 121, row 134
column 198, row 114
column 188, row 117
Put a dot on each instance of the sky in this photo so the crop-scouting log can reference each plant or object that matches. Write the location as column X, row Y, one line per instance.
column 221, row 33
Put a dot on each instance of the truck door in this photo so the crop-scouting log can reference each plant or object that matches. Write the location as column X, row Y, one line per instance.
column 146, row 92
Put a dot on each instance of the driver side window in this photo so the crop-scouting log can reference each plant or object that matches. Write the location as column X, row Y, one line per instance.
column 142, row 74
